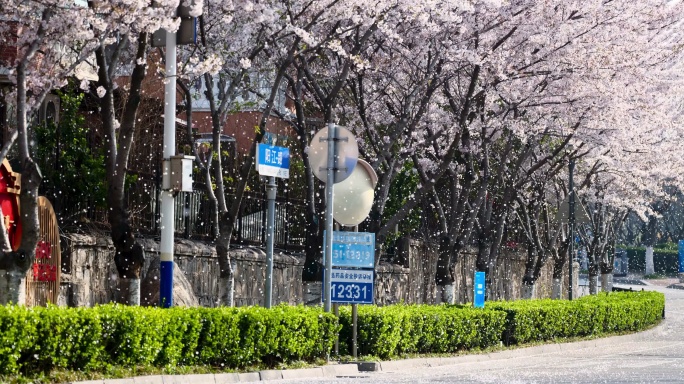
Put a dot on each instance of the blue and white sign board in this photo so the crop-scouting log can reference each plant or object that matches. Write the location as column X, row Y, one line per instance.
column 351, row 286
column 479, row 297
column 681, row 257
column 353, row 249
column 273, row 161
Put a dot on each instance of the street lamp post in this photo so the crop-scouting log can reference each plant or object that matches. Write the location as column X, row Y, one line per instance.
column 167, row 196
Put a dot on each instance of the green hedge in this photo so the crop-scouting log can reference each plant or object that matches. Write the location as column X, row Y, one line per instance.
column 40, row 339
column 399, row 329
column 539, row 320
column 665, row 261
column 94, row 338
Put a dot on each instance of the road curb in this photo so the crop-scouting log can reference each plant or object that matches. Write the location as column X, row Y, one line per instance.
column 332, row 370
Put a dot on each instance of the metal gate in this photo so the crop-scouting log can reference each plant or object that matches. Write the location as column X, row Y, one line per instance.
column 42, row 280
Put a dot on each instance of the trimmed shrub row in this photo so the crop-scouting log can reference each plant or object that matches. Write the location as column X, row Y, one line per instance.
column 33, row 339
column 665, row 261
column 400, row 329
column 538, row 320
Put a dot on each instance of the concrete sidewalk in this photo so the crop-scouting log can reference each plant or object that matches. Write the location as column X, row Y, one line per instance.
column 332, row 370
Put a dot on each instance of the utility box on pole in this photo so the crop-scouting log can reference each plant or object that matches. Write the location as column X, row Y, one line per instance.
column 177, row 174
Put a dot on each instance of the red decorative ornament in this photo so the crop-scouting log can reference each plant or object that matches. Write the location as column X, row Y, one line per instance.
column 43, row 250
column 44, row 272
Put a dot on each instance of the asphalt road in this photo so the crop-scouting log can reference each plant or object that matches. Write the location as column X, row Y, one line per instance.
column 653, row 356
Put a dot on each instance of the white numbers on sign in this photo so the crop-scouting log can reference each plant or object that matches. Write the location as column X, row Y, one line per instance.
column 349, row 291
column 348, row 254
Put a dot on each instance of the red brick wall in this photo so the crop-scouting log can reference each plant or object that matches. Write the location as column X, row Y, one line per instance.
column 241, row 126
column 8, row 48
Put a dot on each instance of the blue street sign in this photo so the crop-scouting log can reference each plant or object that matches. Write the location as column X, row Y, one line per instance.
column 351, row 286
column 681, row 256
column 479, row 297
column 353, row 249
column 273, row 161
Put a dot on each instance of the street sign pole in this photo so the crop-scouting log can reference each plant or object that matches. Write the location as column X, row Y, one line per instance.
column 270, row 221
column 331, row 163
column 271, row 161
column 329, row 186
column 355, row 318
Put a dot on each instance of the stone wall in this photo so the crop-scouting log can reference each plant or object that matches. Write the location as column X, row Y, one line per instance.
column 412, row 278
column 89, row 275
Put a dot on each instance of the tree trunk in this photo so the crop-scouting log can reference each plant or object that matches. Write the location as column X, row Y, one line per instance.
column 16, row 264
column 313, row 292
column 593, row 278
column 129, row 256
column 444, row 275
column 482, row 264
column 313, row 266
column 529, row 278
column 649, row 242
column 607, row 282
column 528, row 290
column 229, row 217
column 606, row 268
column 447, row 294
column 558, row 264
column 12, row 287
column 557, row 292
column 227, row 272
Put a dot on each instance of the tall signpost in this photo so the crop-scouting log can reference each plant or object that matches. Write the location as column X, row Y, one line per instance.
column 333, row 155
column 349, row 257
column 272, row 162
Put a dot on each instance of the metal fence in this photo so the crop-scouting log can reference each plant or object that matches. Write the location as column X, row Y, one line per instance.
column 194, row 212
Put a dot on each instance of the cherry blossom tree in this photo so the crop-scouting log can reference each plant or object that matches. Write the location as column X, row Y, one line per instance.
column 51, row 38
column 121, row 58
column 528, row 72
